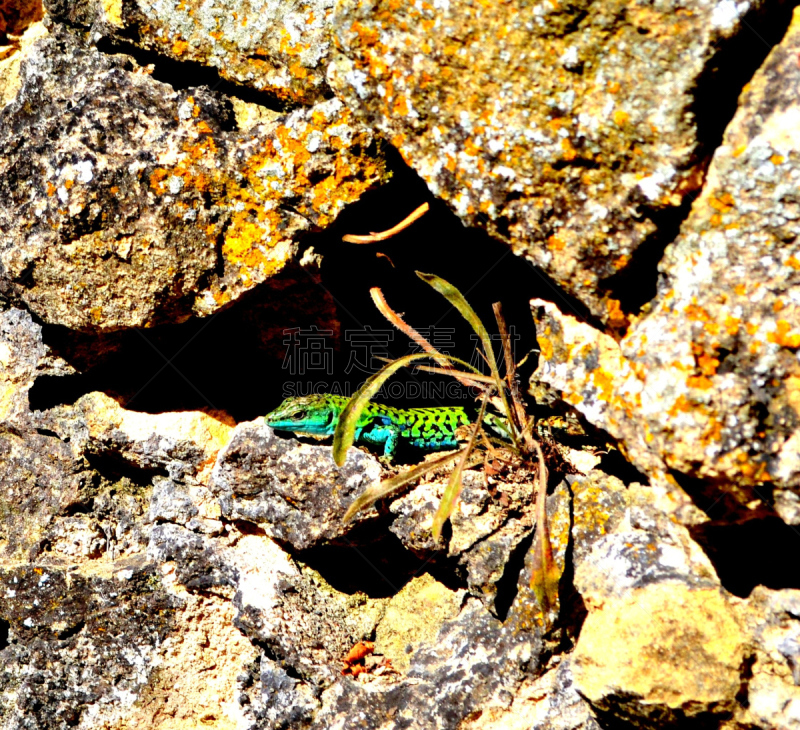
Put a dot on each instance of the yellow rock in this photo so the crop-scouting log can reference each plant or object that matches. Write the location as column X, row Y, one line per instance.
column 413, row 617
column 665, row 646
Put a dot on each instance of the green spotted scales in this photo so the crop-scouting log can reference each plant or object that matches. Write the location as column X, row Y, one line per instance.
column 426, row 429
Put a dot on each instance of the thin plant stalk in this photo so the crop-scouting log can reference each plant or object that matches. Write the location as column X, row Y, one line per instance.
column 383, row 235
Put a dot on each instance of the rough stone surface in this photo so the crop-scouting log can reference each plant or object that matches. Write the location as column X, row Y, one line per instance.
column 663, row 653
column 537, row 120
column 151, row 206
column 706, row 382
column 773, row 690
column 276, row 47
column 175, row 569
column 293, row 490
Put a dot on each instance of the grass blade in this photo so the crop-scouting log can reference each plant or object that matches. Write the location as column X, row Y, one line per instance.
column 454, row 486
column 545, row 575
column 456, row 298
column 389, row 486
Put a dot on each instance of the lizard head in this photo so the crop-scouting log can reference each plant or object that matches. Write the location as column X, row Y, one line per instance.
column 313, row 414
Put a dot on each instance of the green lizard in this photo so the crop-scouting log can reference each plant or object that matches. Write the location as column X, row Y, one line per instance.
column 426, row 429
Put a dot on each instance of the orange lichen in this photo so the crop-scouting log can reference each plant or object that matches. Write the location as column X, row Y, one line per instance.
column 696, row 313
column 545, row 348
column 708, row 365
column 699, row 381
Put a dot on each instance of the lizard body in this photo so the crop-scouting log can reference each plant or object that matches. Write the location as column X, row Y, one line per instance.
column 426, row 429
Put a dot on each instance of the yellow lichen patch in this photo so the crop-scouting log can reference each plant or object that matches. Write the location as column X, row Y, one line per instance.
column 545, row 347
column 782, row 336
column 732, row 325
column 112, row 11
column 179, row 47
column 604, row 382
column 707, row 363
column 793, row 263
column 620, row 117
column 568, row 151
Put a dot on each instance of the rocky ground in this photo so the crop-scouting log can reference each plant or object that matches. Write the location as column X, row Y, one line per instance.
column 164, row 166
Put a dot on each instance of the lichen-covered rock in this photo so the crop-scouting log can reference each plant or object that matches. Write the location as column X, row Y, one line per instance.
column 473, row 663
column 662, row 655
column 773, row 689
column 706, row 383
column 549, row 702
column 78, row 644
column 293, row 491
column 37, row 468
column 130, row 203
column 276, row 47
column 537, row 120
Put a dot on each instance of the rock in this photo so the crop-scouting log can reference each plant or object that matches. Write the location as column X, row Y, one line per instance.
column 549, row 702
column 413, row 618
column 184, row 444
column 293, row 491
column 37, row 468
column 146, row 215
column 78, row 644
column 662, row 655
column 704, row 384
column 473, row 663
column 536, row 121
column 773, row 689
column 276, row 48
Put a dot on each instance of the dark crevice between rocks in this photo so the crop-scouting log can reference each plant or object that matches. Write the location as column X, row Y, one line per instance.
column 615, row 464
column 746, row 673
column 190, row 74
column 637, row 283
column 747, row 547
column 114, row 467
column 71, row 631
column 5, row 628
column 235, row 360
column 572, row 610
column 372, row 560
column 508, row 585
column 756, row 552
column 716, row 97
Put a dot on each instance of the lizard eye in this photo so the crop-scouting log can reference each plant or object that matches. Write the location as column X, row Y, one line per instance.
column 298, row 416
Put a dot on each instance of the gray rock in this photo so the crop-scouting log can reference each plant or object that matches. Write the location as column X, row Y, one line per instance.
column 293, row 491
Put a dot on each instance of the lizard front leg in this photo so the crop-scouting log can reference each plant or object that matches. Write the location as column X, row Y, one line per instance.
column 390, row 445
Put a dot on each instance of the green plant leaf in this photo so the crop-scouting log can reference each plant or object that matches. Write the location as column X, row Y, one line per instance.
column 389, row 486
column 456, row 298
column 345, row 432
column 454, row 486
